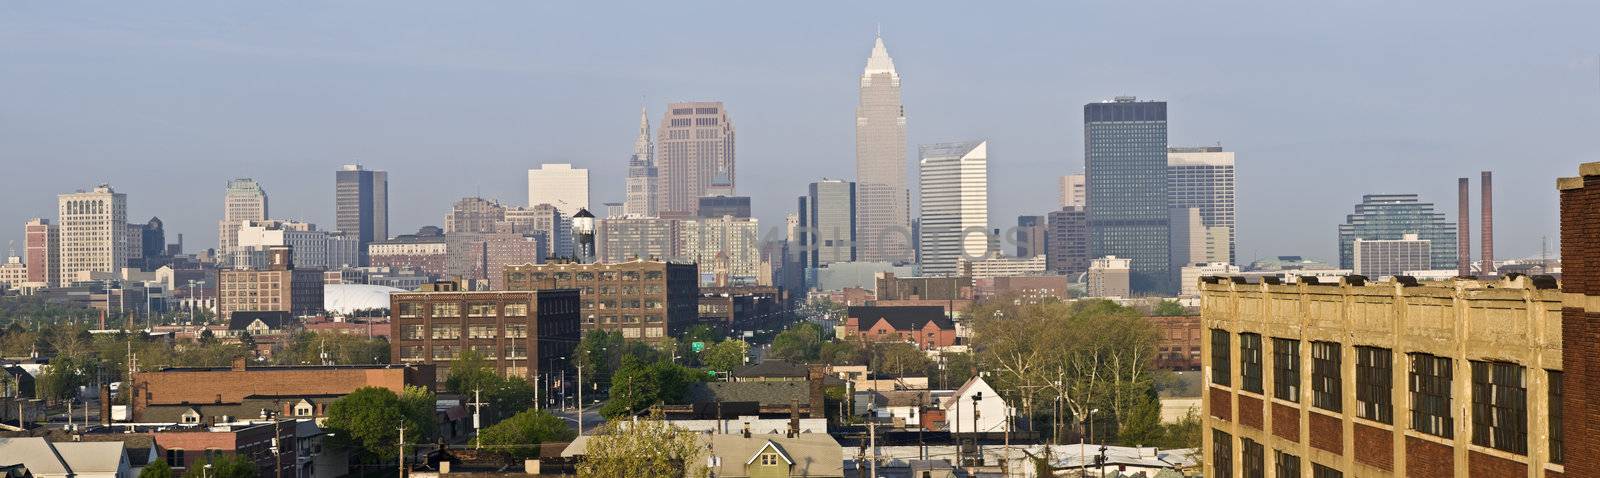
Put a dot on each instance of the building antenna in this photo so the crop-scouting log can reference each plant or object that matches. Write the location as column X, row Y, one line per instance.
column 11, row 248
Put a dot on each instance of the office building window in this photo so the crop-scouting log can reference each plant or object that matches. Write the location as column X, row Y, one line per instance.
column 1431, row 378
column 1288, row 466
column 1250, row 362
column 1556, row 441
column 1286, row 369
column 1221, row 453
column 1325, row 384
column 1499, row 406
column 446, row 332
column 481, row 332
column 1255, row 465
column 1220, row 370
column 1319, row 471
column 1374, row 384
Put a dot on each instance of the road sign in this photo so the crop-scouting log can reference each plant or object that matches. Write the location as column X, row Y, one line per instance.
column 697, row 346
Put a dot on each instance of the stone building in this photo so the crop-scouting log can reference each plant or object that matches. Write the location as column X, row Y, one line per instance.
column 650, row 300
column 522, row 333
column 277, row 287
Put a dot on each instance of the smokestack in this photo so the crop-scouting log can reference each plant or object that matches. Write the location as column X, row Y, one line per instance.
column 1463, row 231
column 1488, row 223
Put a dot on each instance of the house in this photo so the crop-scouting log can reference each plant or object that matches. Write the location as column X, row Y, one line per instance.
column 46, row 459
column 15, row 382
column 926, row 326
column 811, row 455
column 976, row 407
column 259, row 323
column 772, row 371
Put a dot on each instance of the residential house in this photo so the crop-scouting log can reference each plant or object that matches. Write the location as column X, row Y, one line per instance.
column 976, row 407
column 926, row 326
column 812, row 455
column 46, row 459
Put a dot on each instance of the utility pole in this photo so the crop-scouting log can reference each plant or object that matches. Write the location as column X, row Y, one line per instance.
column 477, row 409
column 402, row 449
column 580, row 398
column 277, row 445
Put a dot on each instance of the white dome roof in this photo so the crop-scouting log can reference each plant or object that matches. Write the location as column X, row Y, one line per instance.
column 347, row 298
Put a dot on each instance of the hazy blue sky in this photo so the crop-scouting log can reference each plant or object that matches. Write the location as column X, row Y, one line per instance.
column 167, row 100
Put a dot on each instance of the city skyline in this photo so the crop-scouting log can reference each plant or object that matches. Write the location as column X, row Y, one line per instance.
column 424, row 186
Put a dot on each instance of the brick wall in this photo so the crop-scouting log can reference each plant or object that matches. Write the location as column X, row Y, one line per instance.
column 1327, row 433
column 1484, row 465
column 232, row 386
column 1286, row 422
column 1580, row 329
column 1374, row 446
column 1250, row 412
column 1221, row 404
column 1427, row 459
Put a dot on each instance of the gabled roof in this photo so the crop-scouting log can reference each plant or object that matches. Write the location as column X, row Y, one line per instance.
column 972, row 383
column 774, row 447
column 765, row 393
column 36, row 454
column 104, row 457
column 912, row 317
column 772, row 368
column 275, row 320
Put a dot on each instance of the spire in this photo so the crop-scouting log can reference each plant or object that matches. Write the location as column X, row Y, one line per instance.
column 879, row 61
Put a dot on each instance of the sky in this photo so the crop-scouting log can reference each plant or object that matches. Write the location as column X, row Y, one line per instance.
column 1321, row 102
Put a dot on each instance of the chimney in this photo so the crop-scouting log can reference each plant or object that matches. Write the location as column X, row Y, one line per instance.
column 238, row 364
column 1488, row 223
column 1463, row 229
column 105, row 404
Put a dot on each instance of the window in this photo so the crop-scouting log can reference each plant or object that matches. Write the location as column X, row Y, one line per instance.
column 303, row 409
column 1221, row 453
column 485, row 351
column 585, row 276
column 1286, row 369
column 1325, row 383
column 1219, row 358
column 446, row 310
column 516, row 310
column 1250, row 362
column 412, row 332
column 1431, row 377
column 1374, row 384
column 411, row 352
column 410, row 310
column 516, row 331
column 445, row 352
column 769, row 459
column 481, row 332
column 480, row 309
column 517, row 351
column 1288, row 465
column 1556, row 440
column 1499, row 406
column 175, row 458
column 1319, row 471
column 446, row 332
column 1255, row 465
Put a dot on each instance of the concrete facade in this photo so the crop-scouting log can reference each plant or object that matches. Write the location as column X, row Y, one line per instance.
column 883, row 199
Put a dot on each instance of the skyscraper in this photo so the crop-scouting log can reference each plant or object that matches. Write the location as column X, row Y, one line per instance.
column 559, row 185
column 474, row 215
column 641, row 185
column 42, row 250
column 361, row 200
column 1125, row 160
column 244, row 200
column 696, row 149
column 883, row 201
column 955, row 204
column 1203, row 178
column 1032, row 236
column 1391, row 217
column 94, row 231
column 1072, row 190
column 1068, row 246
column 826, row 232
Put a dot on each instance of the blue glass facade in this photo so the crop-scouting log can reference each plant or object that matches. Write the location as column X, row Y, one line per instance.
column 1390, row 217
column 1125, row 159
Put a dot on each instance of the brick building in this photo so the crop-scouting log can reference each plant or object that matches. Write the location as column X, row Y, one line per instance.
column 206, row 395
column 925, row 326
column 279, row 287
column 890, row 287
column 427, row 254
column 650, row 300
column 520, row 332
column 1580, row 315
column 742, row 307
column 1178, row 342
column 1453, row 378
column 1027, row 287
column 253, row 441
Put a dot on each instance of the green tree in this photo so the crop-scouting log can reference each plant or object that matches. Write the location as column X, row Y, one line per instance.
column 640, row 385
column 369, row 419
column 1169, row 308
column 469, row 372
column 835, row 352
column 801, row 343
column 898, row 359
column 207, row 338
column 248, row 341
column 724, row 356
column 222, row 466
column 520, row 435
column 156, row 469
column 60, row 379
column 643, row 448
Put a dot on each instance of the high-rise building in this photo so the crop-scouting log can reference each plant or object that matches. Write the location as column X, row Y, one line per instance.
column 93, row 231
column 475, row 215
column 955, row 204
column 1391, row 217
column 695, row 147
column 1186, row 236
column 1125, row 160
column 1068, row 250
column 1109, row 276
column 244, row 200
column 827, row 227
column 42, row 251
column 312, row 248
column 154, row 244
column 1033, row 236
column 544, row 219
column 362, row 204
column 1203, row 178
column 634, row 238
column 559, row 185
column 642, row 175
column 643, row 299
column 278, row 287
column 719, row 206
column 1073, row 191
column 883, row 200
column 524, row 334
column 1379, row 258
column 727, row 247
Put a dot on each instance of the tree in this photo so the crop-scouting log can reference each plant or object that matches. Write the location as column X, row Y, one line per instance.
column 207, row 338
column 340, row 348
column 470, row 372
column 156, row 469
column 640, row 385
column 1169, row 308
column 644, row 448
column 520, row 435
column 724, row 356
column 370, row 419
column 898, row 358
column 221, row 466
column 59, row 380
column 840, row 353
column 801, row 343
column 248, row 341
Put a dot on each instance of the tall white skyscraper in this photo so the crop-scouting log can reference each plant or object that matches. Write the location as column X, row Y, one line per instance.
column 244, row 201
column 883, row 202
column 696, row 146
column 1073, row 191
column 559, row 185
column 641, row 186
column 94, row 231
column 1203, row 178
column 955, row 204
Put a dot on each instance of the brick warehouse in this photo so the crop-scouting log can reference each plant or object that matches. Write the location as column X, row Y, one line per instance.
column 1452, row 378
column 205, row 395
column 1580, row 315
column 519, row 332
column 649, row 300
